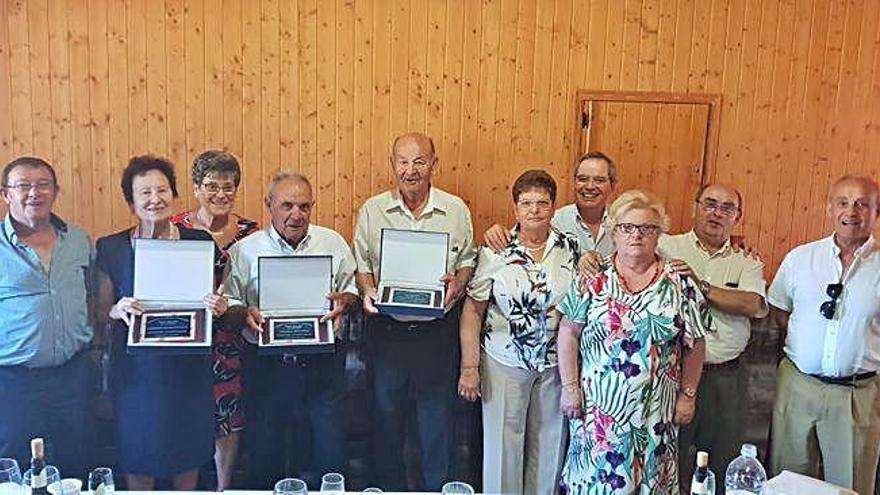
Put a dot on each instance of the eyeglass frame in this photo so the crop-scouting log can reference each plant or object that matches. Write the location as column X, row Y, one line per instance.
column 829, row 307
column 26, row 187
column 722, row 208
column 646, row 229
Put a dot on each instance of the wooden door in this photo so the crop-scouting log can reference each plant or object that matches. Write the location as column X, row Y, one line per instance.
column 661, row 146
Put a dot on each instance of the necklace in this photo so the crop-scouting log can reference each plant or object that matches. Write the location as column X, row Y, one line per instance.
column 207, row 226
column 626, row 286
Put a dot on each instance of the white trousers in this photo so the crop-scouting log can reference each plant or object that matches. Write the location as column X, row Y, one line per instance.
column 524, row 433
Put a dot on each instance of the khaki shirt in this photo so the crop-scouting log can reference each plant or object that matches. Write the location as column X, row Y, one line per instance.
column 727, row 269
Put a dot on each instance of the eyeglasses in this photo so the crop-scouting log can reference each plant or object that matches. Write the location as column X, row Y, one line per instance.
column 646, row 229
column 599, row 180
column 214, row 188
column 25, row 187
column 726, row 209
column 540, row 204
column 828, row 308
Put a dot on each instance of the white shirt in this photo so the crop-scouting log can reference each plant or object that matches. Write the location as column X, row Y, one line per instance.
column 241, row 282
column 728, row 269
column 849, row 343
column 568, row 219
column 521, row 319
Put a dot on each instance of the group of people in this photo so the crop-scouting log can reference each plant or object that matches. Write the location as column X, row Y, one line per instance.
column 604, row 350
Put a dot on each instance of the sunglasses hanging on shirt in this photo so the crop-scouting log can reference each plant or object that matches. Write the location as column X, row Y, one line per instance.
column 828, row 308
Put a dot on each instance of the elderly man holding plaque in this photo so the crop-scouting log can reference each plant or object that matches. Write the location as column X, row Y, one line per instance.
column 413, row 348
column 284, row 279
column 160, row 365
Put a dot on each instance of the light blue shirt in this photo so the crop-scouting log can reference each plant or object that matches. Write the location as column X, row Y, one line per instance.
column 44, row 315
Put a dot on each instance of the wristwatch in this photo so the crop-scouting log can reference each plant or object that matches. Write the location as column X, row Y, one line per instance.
column 689, row 392
column 704, row 287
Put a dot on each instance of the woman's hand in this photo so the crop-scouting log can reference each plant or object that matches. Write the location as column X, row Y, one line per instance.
column 125, row 308
column 572, row 401
column 684, row 410
column 469, row 384
column 217, row 302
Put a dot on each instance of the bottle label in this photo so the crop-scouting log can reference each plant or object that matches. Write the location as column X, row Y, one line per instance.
column 699, row 488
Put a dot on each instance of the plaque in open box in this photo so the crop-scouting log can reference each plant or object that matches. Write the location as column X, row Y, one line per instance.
column 171, row 279
column 293, row 299
column 412, row 262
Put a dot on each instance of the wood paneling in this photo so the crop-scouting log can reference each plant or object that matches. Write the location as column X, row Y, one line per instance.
column 323, row 86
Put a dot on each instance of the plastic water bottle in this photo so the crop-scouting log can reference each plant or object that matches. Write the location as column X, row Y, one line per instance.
column 745, row 474
column 703, row 480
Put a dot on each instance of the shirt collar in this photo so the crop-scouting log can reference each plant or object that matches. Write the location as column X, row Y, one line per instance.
column 553, row 239
column 395, row 202
column 866, row 248
column 9, row 229
column 283, row 244
column 582, row 223
column 722, row 251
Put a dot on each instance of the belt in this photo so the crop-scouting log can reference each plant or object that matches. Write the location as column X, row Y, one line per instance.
column 726, row 365
column 847, row 381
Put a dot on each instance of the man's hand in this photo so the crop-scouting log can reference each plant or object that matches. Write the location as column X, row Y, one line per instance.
column 590, row 264
column 217, row 302
column 496, row 238
column 370, row 296
column 469, row 384
column 684, row 410
column 124, row 308
column 254, row 320
column 341, row 301
column 682, row 268
column 454, row 288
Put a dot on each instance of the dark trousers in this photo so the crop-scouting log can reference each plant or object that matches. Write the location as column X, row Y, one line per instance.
column 307, row 393
column 414, row 363
column 53, row 403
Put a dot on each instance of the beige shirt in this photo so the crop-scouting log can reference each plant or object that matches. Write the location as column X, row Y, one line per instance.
column 728, row 269
column 443, row 213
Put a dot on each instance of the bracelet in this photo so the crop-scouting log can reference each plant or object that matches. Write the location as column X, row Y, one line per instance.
column 466, row 368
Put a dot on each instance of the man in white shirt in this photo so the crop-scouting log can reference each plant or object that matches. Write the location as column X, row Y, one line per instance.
column 733, row 283
column 416, row 355
column 828, row 393
column 280, row 387
column 595, row 176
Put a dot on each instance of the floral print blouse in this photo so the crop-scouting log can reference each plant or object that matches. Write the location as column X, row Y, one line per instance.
column 521, row 320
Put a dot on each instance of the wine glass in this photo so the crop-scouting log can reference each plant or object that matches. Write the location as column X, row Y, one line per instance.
column 332, row 483
column 291, row 486
column 10, row 477
column 101, row 481
column 456, row 487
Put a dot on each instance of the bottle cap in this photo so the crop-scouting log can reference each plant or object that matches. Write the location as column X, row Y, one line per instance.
column 749, row 450
column 37, row 447
column 702, row 459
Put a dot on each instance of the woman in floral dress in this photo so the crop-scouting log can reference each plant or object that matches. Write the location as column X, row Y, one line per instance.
column 637, row 329
column 216, row 176
column 517, row 291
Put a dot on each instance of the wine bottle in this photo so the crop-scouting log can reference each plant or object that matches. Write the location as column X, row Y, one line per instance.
column 39, row 481
column 700, row 480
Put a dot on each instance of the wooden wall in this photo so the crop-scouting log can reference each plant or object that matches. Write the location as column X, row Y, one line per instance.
column 322, row 86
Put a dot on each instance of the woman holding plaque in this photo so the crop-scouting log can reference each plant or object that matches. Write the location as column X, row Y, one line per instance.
column 517, row 291
column 216, row 176
column 163, row 402
column 630, row 358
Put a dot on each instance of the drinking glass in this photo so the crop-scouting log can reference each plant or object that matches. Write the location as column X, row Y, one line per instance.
column 332, row 483
column 454, row 487
column 291, row 486
column 10, row 477
column 53, row 480
column 101, row 481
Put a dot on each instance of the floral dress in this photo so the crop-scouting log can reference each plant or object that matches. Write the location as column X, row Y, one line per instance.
column 227, row 345
column 630, row 353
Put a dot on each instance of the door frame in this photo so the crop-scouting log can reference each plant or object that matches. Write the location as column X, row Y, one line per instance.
column 713, row 122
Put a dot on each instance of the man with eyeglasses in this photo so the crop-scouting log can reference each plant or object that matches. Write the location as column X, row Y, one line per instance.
column 595, row 176
column 825, row 300
column 733, row 284
column 415, row 355
column 46, row 376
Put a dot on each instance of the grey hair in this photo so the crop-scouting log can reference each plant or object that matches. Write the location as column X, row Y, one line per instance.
column 283, row 176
